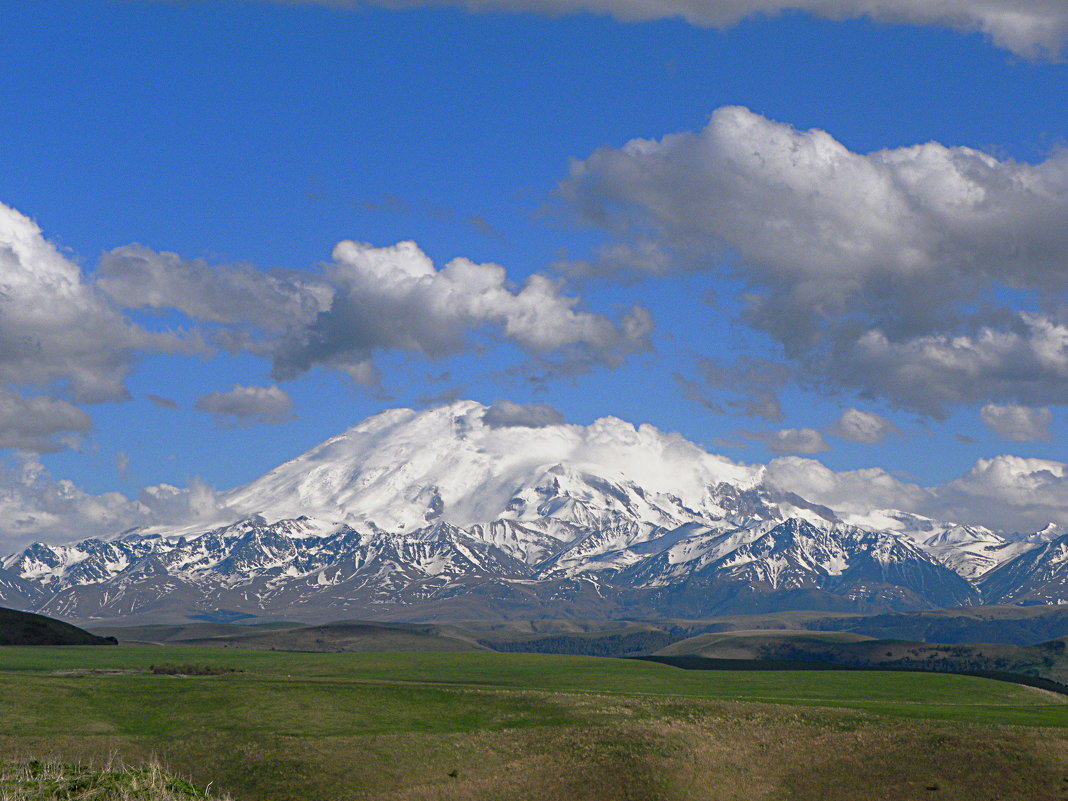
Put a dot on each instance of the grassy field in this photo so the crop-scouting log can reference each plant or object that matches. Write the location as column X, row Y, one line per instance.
column 520, row 726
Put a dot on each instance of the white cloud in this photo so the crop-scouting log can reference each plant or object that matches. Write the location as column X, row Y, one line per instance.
column 847, row 492
column 866, row 268
column 868, row 428
column 40, row 424
column 1017, row 480
column 1018, row 423
column 792, row 440
column 394, row 298
column 1030, row 28
column 247, row 406
column 506, row 414
column 57, row 329
column 1027, row 361
column 370, row 300
column 169, row 505
column 1009, row 493
column 34, row 506
column 138, row 277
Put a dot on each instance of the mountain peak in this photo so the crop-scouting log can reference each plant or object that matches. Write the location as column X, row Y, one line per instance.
column 381, row 471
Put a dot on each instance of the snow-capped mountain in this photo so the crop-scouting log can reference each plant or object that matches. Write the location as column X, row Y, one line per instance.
column 401, row 469
column 441, row 513
column 1038, row 575
column 972, row 551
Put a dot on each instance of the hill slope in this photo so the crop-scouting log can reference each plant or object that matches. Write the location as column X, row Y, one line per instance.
column 24, row 628
column 1045, row 660
column 342, row 636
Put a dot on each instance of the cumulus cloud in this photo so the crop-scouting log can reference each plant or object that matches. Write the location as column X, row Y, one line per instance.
column 792, row 440
column 847, row 492
column 34, row 506
column 248, row 406
column 62, row 336
column 868, row 428
column 161, row 402
column 395, row 298
column 1008, row 493
column 57, row 329
column 40, row 424
column 138, row 277
column 1034, row 28
column 874, row 272
column 506, row 414
column 1018, row 423
column 370, row 300
column 1026, row 360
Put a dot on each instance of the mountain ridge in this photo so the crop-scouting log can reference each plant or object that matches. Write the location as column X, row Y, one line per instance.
column 442, row 513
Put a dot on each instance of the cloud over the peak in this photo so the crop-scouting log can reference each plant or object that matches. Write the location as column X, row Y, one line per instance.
column 874, row 272
column 506, row 414
column 247, row 406
column 371, row 300
column 1032, row 29
column 395, row 298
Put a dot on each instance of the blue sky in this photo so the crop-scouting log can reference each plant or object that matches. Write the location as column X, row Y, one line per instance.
column 710, row 297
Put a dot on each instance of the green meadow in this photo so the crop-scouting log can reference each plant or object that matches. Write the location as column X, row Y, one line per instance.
column 281, row 725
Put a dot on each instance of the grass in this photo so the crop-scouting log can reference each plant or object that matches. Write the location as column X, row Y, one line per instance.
column 274, row 726
column 37, row 780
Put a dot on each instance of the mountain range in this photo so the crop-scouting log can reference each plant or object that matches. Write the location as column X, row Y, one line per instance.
column 458, row 513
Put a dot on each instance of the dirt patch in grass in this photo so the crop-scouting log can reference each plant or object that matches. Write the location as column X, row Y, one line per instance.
column 96, row 672
column 168, row 669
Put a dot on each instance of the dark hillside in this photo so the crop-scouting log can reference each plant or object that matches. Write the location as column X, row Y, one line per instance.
column 25, row 628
